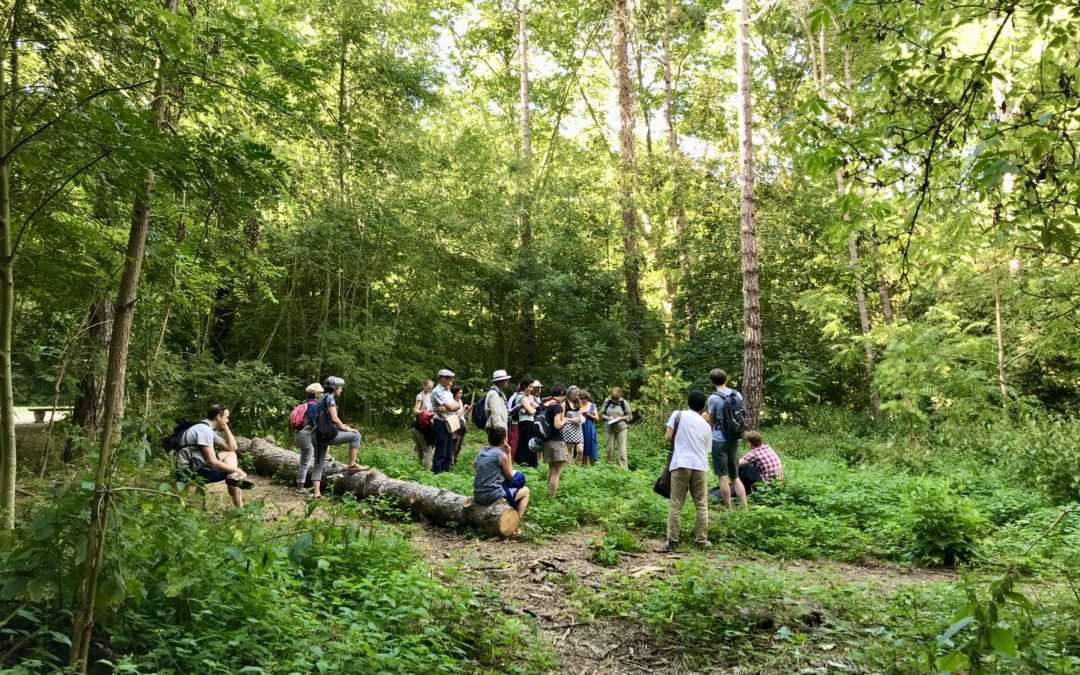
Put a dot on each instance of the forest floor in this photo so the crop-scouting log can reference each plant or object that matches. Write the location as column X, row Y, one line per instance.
column 548, row 578
column 536, row 578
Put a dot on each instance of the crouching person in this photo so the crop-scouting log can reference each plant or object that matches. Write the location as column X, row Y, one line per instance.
column 691, row 439
column 760, row 465
column 495, row 476
column 205, row 456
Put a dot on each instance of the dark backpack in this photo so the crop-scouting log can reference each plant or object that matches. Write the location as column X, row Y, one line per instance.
column 732, row 422
column 479, row 413
column 174, row 441
column 543, row 428
column 325, row 429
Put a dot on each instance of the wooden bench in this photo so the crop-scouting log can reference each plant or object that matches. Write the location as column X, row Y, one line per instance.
column 39, row 413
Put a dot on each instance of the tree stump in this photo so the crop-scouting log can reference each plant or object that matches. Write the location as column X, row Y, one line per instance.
column 433, row 503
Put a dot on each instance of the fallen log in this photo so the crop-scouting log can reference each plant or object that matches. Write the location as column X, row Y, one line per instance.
column 432, row 503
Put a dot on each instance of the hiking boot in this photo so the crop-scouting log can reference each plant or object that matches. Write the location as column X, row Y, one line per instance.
column 704, row 545
column 234, row 480
column 671, row 546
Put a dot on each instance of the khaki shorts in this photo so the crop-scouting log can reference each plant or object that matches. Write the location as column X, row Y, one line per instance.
column 555, row 451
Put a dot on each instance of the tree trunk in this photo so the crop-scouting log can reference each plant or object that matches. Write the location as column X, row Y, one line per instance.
column 425, row 501
column 853, row 238
column 864, row 316
column 752, row 356
column 883, row 287
column 676, row 191
column 90, row 399
column 525, row 190
column 7, row 300
column 341, row 109
column 86, row 590
column 631, row 258
column 999, row 333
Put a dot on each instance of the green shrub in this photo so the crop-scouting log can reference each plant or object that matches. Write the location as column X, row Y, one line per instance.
column 945, row 527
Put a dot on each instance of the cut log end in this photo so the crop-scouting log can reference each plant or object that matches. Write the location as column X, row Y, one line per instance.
column 508, row 522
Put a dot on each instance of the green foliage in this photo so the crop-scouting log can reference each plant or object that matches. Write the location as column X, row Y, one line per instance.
column 945, row 526
column 664, row 389
column 183, row 592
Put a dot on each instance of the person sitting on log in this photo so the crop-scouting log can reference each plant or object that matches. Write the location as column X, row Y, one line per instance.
column 346, row 434
column 495, row 476
column 204, row 456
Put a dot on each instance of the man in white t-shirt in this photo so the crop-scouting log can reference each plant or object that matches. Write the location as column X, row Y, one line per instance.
column 691, row 437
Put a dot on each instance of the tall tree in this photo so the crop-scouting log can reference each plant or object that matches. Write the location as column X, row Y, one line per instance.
column 631, row 255
column 86, row 592
column 525, row 185
column 7, row 281
column 752, row 354
column 673, row 158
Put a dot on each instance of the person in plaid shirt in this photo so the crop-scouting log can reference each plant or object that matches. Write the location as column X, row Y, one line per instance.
column 760, row 464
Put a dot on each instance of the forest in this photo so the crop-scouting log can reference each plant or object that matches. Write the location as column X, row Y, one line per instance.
column 867, row 212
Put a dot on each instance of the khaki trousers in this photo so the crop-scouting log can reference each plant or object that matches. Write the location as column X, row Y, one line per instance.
column 617, row 438
column 424, row 452
column 697, row 482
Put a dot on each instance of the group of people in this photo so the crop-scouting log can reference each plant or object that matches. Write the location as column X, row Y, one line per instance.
column 442, row 416
column 702, row 432
column 526, row 427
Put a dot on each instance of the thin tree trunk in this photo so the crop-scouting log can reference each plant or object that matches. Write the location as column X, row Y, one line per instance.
column 676, row 188
column 752, row 354
column 999, row 333
column 342, row 62
column 864, row 315
column 525, row 188
column 86, row 591
column 7, row 298
column 646, row 113
column 853, row 238
column 882, row 287
column 631, row 257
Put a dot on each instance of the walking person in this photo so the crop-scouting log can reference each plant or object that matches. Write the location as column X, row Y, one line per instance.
column 725, row 451
column 495, row 476
column 303, row 437
column 691, row 439
column 529, row 404
column 554, row 448
column 588, row 427
column 423, row 429
column 616, row 413
column 445, row 405
column 572, row 432
column 333, row 386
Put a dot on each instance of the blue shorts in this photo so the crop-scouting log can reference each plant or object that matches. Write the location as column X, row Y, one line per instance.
column 205, row 475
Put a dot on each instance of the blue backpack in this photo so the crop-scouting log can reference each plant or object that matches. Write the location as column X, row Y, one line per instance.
column 479, row 413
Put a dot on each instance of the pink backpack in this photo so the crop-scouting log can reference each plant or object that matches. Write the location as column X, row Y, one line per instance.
column 298, row 415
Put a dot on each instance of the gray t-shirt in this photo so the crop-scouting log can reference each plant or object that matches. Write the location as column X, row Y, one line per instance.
column 487, row 485
column 193, row 441
column 715, row 408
